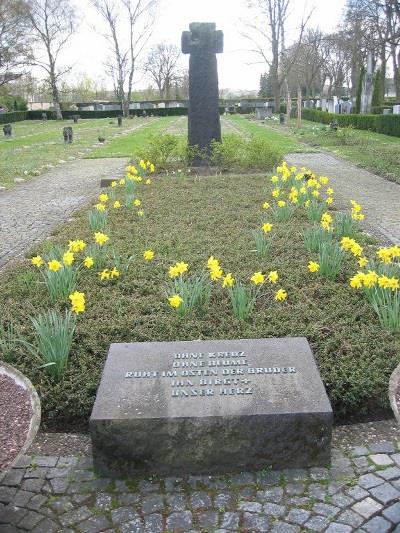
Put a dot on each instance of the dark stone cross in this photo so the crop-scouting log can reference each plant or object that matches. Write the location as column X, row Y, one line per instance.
column 203, row 42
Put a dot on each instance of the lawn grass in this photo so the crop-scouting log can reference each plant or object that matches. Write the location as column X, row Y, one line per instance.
column 35, row 144
column 189, row 219
column 374, row 151
column 128, row 145
column 280, row 140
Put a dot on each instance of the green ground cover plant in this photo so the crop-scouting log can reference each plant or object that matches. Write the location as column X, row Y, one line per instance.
column 188, row 219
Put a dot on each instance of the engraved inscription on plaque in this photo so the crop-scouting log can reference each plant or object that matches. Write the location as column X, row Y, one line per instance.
column 210, row 374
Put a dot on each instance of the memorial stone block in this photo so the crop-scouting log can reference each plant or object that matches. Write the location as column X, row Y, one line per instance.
column 206, row 407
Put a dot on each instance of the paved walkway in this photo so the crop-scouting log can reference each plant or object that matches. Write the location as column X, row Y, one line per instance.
column 29, row 212
column 359, row 493
column 379, row 198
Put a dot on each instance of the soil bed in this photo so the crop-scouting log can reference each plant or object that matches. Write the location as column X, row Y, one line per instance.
column 15, row 418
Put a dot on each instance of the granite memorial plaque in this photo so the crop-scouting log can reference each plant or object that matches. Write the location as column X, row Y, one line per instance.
column 205, row 407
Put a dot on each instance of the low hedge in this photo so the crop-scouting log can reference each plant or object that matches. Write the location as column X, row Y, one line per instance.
column 157, row 112
column 14, row 116
column 387, row 124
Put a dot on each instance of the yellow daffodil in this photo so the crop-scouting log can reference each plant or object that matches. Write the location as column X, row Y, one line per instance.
column 228, row 280
column 114, row 184
column 175, row 301
column 103, row 198
column 100, row 207
column 54, row 265
column 88, row 262
column 104, row 275
column 76, row 246
column 101, row 238
column 216, row 273
column 274, row 179
column 324, row 180
column 267, row 227
column 362, row 262
column 37, row 261
column 77, row 302
column 114, row 273
column 329, row 191
column 281, row 203
column 122, row 181
column 266, row 205
column 329, row 200
column 273, row 276
column 148, row 181
column 68, row 258
column 182, row 267
column 140, row 213
column 275, row 193
column 313, row 266
column 326, row 221
column 315, row 193
column 212, row 262
column 257, row 278
column 148, row 255
column 137, row 202
column 280, row 295
column 356, row 282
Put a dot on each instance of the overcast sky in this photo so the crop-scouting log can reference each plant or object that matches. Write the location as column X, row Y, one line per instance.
column 238, row 68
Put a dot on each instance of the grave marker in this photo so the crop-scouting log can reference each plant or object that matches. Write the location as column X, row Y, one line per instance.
column 204, row 407
column 203, row 42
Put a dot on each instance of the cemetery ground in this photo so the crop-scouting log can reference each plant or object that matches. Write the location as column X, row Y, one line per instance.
column 189, row 218
column 37, row 146
column 374, row 151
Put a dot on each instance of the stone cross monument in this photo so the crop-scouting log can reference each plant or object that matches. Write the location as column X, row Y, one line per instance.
column 203, row 42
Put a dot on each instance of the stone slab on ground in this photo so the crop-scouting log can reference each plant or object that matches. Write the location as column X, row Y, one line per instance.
column 244, row 403
column 30, row 212
column 378, row 197
column 67, row 496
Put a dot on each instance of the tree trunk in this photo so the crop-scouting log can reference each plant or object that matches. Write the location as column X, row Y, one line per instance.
column 56, row 97
column 299, row 107
column 396, row 72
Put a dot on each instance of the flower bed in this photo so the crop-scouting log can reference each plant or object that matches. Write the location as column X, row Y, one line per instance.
column 251, row 257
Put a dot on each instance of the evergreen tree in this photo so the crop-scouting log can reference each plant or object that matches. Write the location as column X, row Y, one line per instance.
column 378, row 92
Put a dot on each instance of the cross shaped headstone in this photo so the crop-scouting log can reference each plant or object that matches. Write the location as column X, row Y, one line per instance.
column 203, row 42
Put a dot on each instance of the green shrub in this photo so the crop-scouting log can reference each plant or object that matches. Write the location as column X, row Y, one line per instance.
column 234, row 153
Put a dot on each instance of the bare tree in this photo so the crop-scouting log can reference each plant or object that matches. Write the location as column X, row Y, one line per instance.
column 162, row 67
column 134, row 19
column 15, row 51
column 379, row 21
column 52, row 23
column 268, row 37
column 307, row 70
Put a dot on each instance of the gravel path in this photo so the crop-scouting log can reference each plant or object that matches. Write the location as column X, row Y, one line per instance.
column 31, row 211
column 379, row 198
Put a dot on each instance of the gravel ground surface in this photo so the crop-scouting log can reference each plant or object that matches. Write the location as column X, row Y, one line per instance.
column 15, row 418
column 31, row 211
column 359, row 492
column 378, row 197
